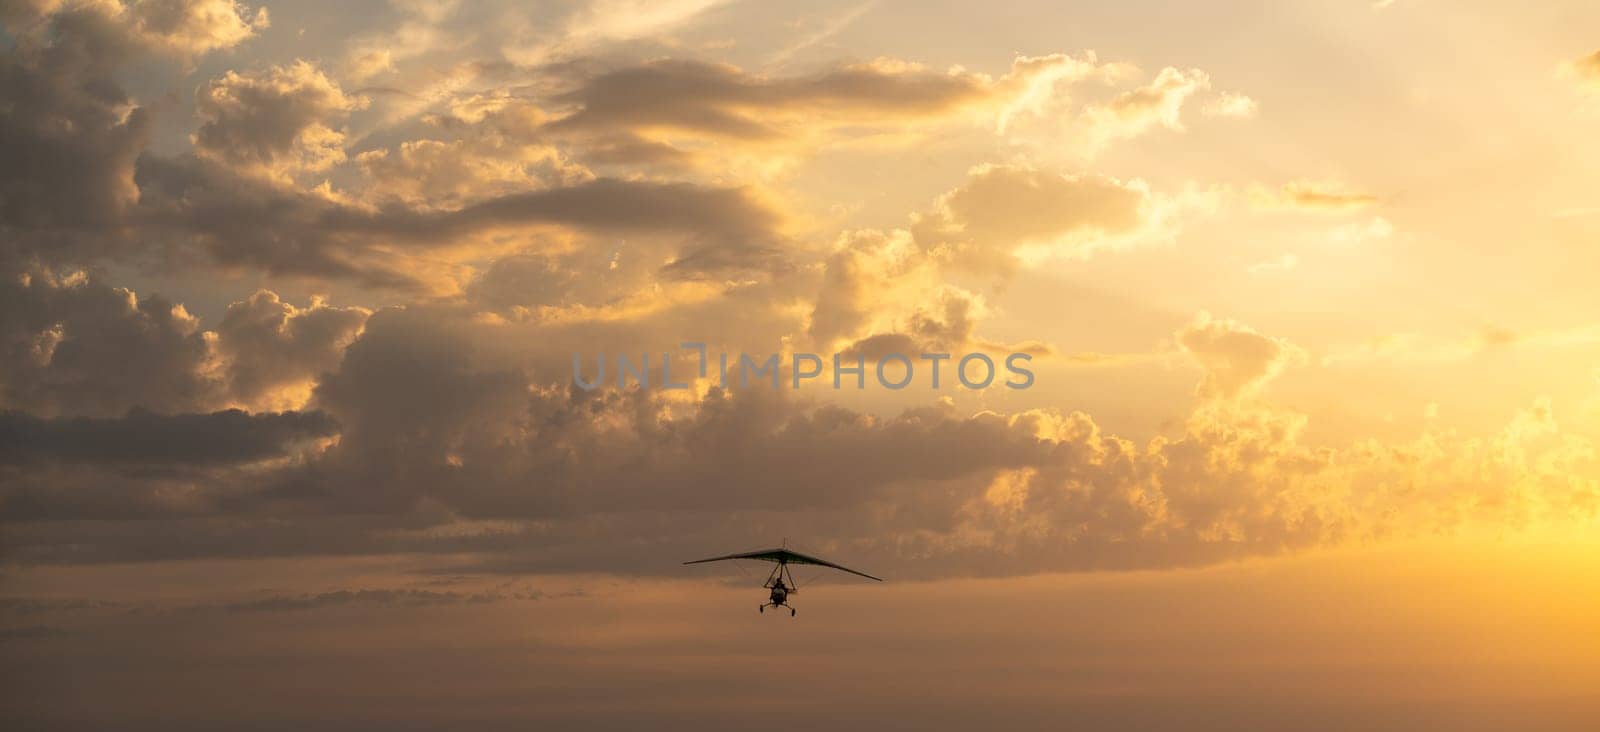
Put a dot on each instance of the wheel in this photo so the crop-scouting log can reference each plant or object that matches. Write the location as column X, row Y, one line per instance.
column 791, row 612
column 761, row 609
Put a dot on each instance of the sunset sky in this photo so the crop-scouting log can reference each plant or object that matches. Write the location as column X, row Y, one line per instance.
column 292, row 292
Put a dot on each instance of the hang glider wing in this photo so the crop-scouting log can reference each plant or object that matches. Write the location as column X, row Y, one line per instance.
column 785, row 556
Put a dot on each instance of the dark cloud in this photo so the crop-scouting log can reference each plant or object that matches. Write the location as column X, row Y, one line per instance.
column 694, row 114
column 76, row 184
column 415, row 403
column 141, row 437
column 448, row 446
column 435, row 435
column 73, row 345
column 724, row 101
column 69, row 135
column 247, row 222
column 142, row 466
column 270, row 344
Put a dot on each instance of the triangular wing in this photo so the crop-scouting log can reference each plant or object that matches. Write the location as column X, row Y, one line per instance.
column 785, row 556
column 765, row 555
column 798, row 558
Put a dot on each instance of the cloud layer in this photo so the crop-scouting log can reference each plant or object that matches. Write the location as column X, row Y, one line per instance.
column 453, row 227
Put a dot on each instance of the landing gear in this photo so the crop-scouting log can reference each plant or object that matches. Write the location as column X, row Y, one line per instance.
column 782, row 584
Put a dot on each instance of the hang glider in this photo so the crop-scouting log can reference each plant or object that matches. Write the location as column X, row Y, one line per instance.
column 780, row 581
column 785, row 556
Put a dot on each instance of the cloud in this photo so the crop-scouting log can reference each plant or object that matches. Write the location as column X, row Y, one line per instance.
column 593, row 25
column 143, row 466
column 1311, row 196
column 143, row 437
column 626, row 19
column 74, row 345
column 439, row 208
column 1065, row 117
column 181, row 28
column 1002, row 212
column 723, row 101
column 194, row 27
column 275, row 350
column 446, row 447
column 886, row 291
column 278, row 122
column 699, row 230
column 497, row 150
column 1160, row 102
column 870, row 282
column 71, row 137
column 881, row 293
column 421, row 32
column 1229, row 104
column 68, row 135
column 701, row 109
column 1237, row 359
column 538, row 210
column 533, row 279
column 73, row 194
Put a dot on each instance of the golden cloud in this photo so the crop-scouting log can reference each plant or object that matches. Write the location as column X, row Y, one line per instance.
column 278, row 122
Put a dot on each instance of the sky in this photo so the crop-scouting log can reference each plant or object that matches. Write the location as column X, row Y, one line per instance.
column 293, row 292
